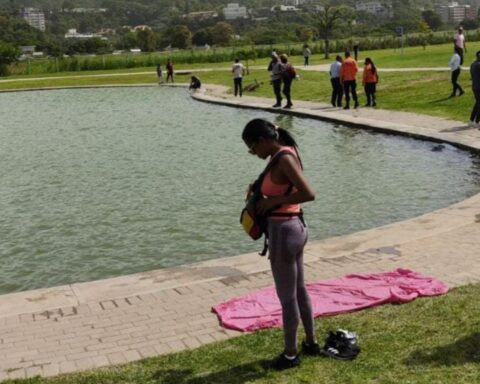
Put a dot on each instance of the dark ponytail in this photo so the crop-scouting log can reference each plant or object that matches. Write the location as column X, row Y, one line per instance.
column 257, row 128
column 373, row 69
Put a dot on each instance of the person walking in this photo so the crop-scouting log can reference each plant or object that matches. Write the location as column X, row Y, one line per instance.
column 284, row 188
column 370, row 80
column 475, row 74
column 276, row 77
column 459, row 43
column 455, row 68
column 238, row 71
column 337, row 89
column 169, row 70
column 348, row 75
column 306, row 55
column 289, row 75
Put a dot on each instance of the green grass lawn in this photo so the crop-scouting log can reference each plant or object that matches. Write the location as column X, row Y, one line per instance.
column 432, row 56
column 428, row 341
column 421, row 92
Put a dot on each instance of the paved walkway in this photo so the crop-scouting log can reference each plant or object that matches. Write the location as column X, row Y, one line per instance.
column 96, row 324
column 318, row 68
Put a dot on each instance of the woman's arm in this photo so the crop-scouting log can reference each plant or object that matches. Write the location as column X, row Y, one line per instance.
column 293, row 174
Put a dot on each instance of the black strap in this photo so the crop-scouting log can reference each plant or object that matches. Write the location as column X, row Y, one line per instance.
column 280, row 214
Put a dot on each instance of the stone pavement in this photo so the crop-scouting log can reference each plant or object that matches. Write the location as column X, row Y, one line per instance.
column 114, row 321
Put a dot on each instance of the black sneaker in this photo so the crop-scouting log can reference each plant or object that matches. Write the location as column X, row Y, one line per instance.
column 341, row 345
column 276, row 105
column 281, row 362
column 311, row 349
column 345, row 355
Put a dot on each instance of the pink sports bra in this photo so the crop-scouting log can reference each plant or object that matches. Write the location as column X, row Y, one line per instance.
column 271, row 189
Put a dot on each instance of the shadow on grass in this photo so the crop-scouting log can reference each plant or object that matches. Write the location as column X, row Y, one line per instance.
column 464, row 350
column 441, row 100
column 233, row 375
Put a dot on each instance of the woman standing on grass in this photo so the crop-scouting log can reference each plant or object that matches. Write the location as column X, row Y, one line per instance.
column 283, row 188
column 370, row 80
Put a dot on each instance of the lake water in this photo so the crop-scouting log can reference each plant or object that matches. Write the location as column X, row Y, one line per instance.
column 103, row 182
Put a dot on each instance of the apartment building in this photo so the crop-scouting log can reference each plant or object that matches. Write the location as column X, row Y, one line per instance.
column 34, row 17
column 234, row 11
column 455, row 13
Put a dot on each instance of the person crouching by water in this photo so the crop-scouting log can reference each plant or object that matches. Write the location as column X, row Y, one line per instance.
column 195, row 83
column 370, row 80
column 276, row 77
column 287, row 233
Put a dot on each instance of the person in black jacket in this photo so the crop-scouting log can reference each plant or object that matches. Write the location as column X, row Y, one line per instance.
column 475, row 74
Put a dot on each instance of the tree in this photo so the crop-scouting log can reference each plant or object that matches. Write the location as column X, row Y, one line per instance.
column 181, row 37
column 305, row 33
column 222, row 33
column 8, row 55
column 433, row 19
column 329, row 19
column 203, row 36
column 147, row 40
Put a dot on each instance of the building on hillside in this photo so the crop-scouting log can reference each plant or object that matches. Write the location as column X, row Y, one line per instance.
column 73, row 34
column 34, row 17
column 263, row 13
column 27, row 49
column 377, row 8
column 140, row 28
column 297, row 3
column 203, row 15
column 454, row 13
column 285, row 8
column 234, row 11
column 88, row 10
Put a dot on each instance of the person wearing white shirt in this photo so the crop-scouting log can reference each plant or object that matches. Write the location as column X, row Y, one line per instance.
column 337, row 88
column 455, row 68
column 238, row 71
column 459, row 42
column 306, row 55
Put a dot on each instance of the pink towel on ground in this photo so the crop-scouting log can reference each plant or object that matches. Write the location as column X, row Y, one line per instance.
column 261, row 309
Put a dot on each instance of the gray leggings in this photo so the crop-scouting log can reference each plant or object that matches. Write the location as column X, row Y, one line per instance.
column 287, row 239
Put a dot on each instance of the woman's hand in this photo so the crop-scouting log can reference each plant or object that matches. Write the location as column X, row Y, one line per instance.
column 266, row 204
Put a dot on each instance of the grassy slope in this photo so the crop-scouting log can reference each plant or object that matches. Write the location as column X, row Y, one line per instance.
column 429, row 341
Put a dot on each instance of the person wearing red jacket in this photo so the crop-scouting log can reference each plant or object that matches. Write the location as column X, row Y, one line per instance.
column 348, row 75
column 370, row 80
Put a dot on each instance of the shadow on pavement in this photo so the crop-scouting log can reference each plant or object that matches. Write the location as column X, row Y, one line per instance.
column 464, row 350
column 234, row 375
column 457, row 129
